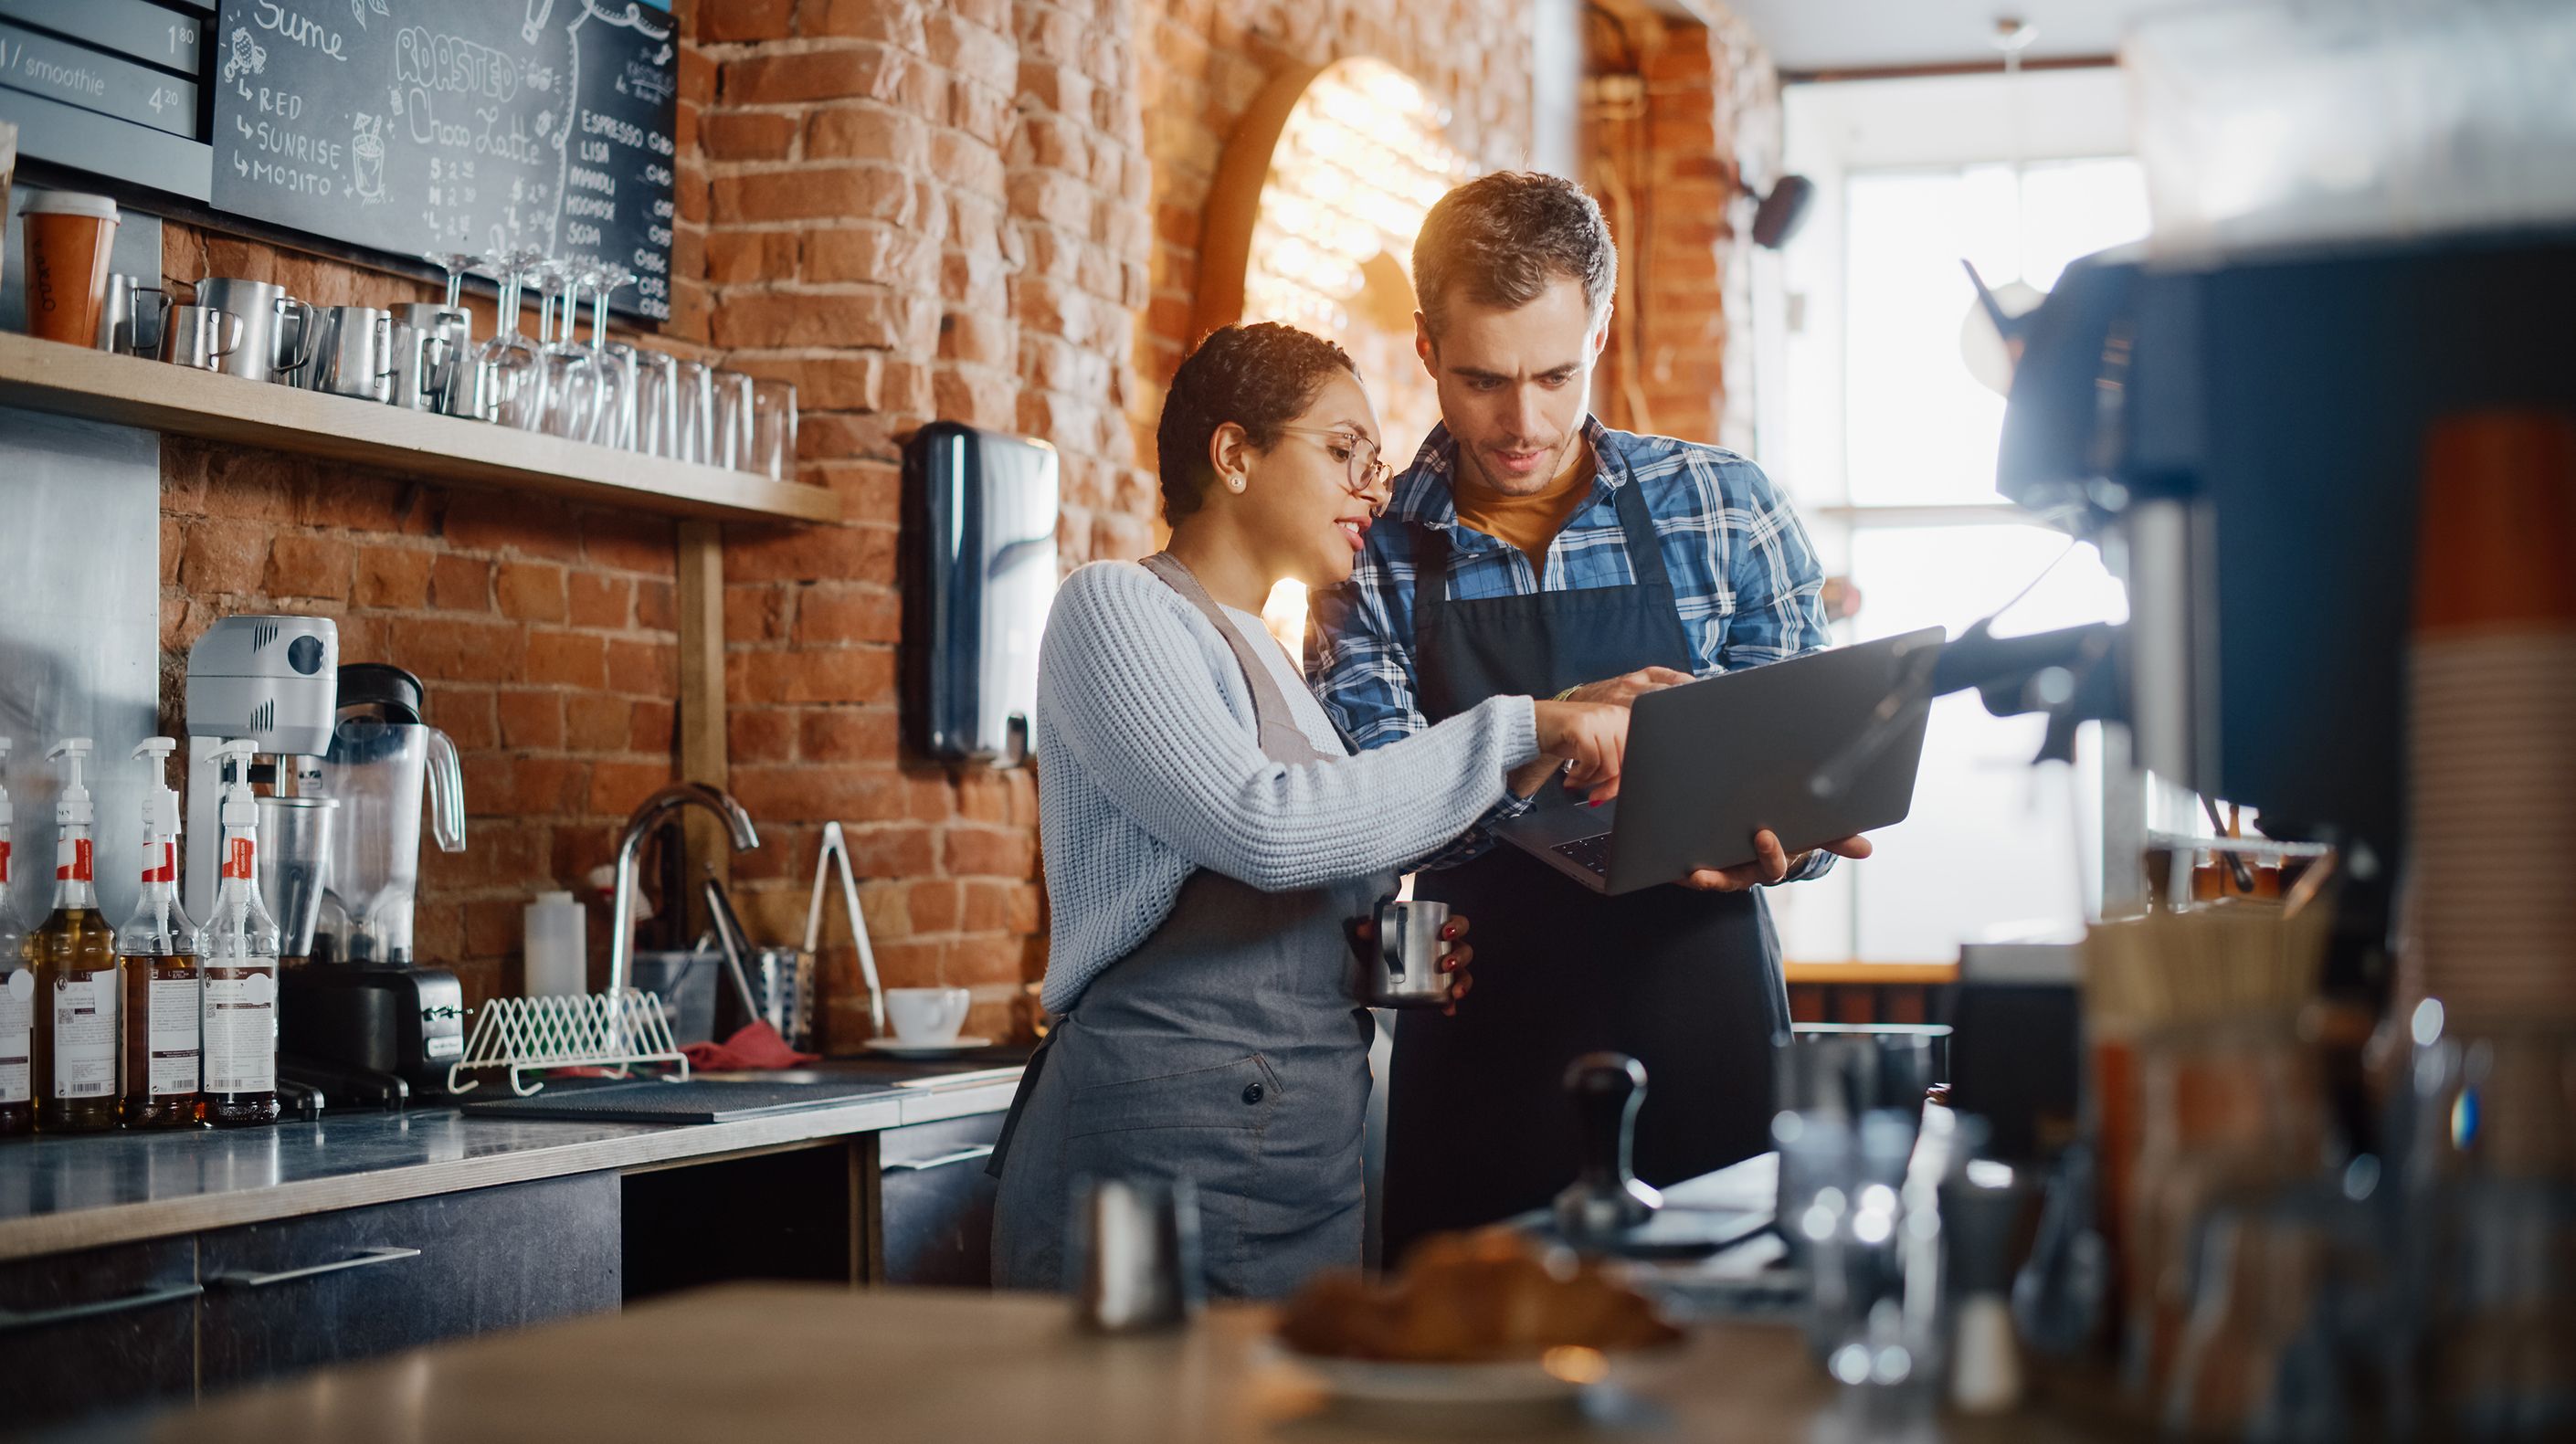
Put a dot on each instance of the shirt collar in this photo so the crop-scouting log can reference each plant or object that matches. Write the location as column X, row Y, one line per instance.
column 1423, row 492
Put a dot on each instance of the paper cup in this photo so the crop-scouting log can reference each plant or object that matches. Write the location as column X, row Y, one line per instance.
column 68, row 239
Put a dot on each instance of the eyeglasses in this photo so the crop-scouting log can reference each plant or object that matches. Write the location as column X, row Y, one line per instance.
column 1368, row 470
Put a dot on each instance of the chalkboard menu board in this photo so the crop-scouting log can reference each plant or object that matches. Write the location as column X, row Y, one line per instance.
column 455, row 125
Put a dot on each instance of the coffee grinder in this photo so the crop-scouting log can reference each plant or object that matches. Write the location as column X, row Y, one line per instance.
column 364, row 1018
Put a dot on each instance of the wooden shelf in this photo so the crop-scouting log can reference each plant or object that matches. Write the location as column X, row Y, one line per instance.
column 1930, row 975
column 130, row 391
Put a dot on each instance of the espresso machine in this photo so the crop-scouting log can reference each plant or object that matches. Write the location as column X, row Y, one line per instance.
column 363, row 1019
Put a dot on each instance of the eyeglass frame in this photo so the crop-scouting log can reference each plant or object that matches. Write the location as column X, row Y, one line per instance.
column 1378, row 470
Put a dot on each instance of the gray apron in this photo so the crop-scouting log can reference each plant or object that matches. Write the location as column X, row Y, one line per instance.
column 1229, row 1049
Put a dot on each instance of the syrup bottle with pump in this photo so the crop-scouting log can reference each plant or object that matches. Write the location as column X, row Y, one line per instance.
column 74, row 951
column 237, row 953
column 17, row 995
column 158, row 952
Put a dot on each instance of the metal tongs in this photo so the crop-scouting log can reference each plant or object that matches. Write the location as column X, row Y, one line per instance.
column 836, row 854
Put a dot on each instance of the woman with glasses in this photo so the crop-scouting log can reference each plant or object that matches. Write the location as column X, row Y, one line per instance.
column 1211, row 840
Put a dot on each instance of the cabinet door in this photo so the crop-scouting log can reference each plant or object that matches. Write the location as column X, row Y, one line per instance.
column 300, row 1292
column 935, row 1202
column 101, row 1329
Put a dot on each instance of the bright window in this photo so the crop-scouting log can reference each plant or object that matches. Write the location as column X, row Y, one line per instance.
column 1887, row 442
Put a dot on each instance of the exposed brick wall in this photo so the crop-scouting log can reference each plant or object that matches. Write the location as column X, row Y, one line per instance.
column 545, row 635
column 1678, row 111
column 914, row 211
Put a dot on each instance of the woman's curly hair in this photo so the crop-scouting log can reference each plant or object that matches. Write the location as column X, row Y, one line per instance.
column 1261, row 377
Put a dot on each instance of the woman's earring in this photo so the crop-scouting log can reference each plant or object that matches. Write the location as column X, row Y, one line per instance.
column 1235, row 482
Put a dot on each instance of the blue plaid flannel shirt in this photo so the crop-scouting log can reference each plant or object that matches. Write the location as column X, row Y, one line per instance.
column 1743, row 574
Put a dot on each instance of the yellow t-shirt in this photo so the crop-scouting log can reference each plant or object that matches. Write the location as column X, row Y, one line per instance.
column 1528, row 522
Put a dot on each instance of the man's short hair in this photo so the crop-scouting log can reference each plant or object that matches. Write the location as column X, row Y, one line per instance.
column 1501, row 238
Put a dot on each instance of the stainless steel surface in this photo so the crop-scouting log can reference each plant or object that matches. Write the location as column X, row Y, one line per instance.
column 295, row 846
column 1137, row 1241
column 200, row 337
column 364, row 1258
column 441, row 366
column 353, row 353
column 621, row 924
column 424, row 360
column 1400, row 967
column 80, row 633
column 122, row 323
column 277, row 329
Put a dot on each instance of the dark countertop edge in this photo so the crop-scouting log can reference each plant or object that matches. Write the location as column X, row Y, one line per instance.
column 87, row 1228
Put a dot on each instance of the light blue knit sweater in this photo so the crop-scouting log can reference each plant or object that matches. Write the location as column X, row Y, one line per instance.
column 1148, row 768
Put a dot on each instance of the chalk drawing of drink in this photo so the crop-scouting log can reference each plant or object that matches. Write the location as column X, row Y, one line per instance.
column 367, row 160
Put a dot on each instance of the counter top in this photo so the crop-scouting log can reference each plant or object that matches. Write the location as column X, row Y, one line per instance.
column 810, row 1362
column 64, row 1193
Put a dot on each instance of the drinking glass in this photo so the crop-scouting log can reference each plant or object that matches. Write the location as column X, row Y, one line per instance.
column 694, row 437
column 657, row 402
column 730, row 444
column 613, row 421
column 773, row 428
column 516, row 368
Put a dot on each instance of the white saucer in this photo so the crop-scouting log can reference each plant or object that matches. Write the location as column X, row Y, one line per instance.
column 902, row 1049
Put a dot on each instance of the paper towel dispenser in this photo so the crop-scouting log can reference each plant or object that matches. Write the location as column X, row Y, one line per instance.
column 979, row 569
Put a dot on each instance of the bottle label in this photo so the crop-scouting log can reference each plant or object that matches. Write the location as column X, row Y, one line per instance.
column 17, row 1034
column 237, row 857
column 4, row 862
column 84, row 1007
column 71, row 860
column 241, row 1030
column 160, row 862
column 171, row 1035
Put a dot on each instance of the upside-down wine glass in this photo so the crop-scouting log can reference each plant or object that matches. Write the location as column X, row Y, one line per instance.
column 613, row 423
column 571, row 385
column 518, row 369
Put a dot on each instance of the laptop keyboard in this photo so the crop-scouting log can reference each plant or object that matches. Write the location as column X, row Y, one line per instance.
column 1591, row 853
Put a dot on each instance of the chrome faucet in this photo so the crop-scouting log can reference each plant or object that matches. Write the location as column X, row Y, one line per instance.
column 621, row 937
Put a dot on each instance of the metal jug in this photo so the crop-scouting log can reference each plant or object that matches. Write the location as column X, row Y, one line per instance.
column 433, row 345
column 122, row 327
column 353, row 353
column 1400, row 966
column 277, row 329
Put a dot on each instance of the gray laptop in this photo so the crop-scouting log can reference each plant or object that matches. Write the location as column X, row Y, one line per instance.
column 1815, row 748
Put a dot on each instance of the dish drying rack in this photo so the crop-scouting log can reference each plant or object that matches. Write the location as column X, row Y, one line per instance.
column 519, row 1036
column 625, row 1026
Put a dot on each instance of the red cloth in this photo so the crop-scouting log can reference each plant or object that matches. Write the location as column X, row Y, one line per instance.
column 756, row 1046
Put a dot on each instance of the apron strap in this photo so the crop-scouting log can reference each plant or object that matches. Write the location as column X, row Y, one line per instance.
column 1645, row 550
column 1281, row 739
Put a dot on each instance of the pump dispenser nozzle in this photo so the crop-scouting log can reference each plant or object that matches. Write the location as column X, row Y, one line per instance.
column 73, row 809
column 232, row 762
column 160, row 800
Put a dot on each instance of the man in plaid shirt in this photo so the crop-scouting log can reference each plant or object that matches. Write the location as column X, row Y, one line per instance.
column 1531, row 550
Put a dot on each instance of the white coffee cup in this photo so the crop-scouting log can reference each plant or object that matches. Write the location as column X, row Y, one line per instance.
column 926, row 1016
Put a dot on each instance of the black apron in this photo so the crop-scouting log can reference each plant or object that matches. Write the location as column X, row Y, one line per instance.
column 1478, row 1127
